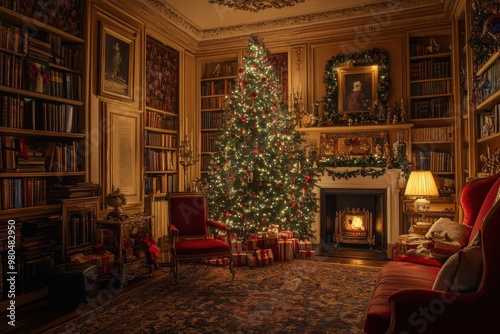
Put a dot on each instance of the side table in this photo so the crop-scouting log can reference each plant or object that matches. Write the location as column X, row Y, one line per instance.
column 124, row 238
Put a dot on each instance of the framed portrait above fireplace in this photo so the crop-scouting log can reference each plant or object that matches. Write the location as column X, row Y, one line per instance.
column 353, row 144
column 357, row 88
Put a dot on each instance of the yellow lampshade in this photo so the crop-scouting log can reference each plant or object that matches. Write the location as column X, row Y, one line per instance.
column 421, row 183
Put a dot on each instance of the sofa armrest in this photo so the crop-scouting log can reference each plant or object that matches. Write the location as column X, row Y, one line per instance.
column 425, row 310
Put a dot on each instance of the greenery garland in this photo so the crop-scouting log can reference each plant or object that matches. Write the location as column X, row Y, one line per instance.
column 366, row 164
column 374, row 56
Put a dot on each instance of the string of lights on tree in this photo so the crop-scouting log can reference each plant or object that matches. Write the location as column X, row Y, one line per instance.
column 259, row 175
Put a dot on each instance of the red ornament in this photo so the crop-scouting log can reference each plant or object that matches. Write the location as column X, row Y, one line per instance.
column 266, row 112
column 243, row 119
column 278, row 143
column 308, row 179
column 256, row 150
column 253, row 95
column 244, row 82
column 260, row 184
column 266, row 58
column 216, row 169
column 255, row 66
column 228, row 213
column 264, row 79
column 270, row 85
column 254, row 195
column 240, row 71
column 274, row 107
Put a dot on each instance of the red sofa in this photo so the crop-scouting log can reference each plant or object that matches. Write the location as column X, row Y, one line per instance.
column 403, row 300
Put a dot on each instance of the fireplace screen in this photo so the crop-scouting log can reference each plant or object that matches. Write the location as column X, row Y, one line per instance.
column 354, row 226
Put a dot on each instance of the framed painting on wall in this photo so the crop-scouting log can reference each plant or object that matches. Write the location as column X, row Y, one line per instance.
column 353, row 144
column 116, row 62
column 357, row 88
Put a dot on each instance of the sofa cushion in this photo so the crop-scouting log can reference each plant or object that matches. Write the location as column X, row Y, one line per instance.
column 394, row 276
column 462, row 271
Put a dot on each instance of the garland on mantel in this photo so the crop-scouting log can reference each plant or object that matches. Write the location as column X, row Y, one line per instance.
column 373, row 166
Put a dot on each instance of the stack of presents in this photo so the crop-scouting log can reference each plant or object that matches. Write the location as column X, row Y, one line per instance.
column 263, row 249
column 99, row 256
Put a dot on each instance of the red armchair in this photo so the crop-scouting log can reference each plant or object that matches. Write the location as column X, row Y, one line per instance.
column 189, row 231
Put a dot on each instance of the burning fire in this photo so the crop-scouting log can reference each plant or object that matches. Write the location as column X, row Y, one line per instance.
column 357, row 224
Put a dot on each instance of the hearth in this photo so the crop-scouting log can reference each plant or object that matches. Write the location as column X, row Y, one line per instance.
column 353, row 216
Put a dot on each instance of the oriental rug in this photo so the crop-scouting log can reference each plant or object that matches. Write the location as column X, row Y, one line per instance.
column 296, row 296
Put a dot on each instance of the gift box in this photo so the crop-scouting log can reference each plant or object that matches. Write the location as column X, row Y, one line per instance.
column 270, row 241
column 236, row 245
column 101, row 259
column 106, row 269
column 239, row 258
column 285, row 250
column 305, row 245
column 260, row 257
column 306, row 254
column 285, row 234
column 255, row 243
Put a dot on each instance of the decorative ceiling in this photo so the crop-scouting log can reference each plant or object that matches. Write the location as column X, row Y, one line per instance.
column 214, row 19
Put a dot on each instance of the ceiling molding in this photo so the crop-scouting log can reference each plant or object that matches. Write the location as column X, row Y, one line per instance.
column 358, row 12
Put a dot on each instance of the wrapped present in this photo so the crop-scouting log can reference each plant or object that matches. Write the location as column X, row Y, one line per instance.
column 285, row 250
column 305, row 245
column 272, row 231
column 260, row 257
column 239, row 258
column 101, row 259
column 106, row 269
column 306, row 254
column 217, row 261
column 236, row 245
column 285, row 234
column 255, row 243
column 275, row 250
column 270, row 241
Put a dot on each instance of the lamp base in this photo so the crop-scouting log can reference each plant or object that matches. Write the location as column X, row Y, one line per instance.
column 422, row 205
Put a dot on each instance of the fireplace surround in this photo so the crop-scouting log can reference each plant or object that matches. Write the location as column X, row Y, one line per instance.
column 378, row 195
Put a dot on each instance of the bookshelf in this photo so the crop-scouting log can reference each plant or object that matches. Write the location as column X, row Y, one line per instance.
column 42, row 124
column 161, row 119
column 432, row 108
column 43, row 134
column 218, row 78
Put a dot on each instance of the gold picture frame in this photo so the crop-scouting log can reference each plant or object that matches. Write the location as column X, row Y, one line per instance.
column 353, row 143
column 357, row 88
column 117, row 50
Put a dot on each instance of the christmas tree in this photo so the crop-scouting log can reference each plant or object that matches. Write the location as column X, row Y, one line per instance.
column 259, row 176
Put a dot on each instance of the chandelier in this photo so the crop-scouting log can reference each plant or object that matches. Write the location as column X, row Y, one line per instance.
column 255, row 5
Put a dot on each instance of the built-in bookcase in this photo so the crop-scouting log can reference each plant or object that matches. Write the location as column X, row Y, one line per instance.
column 432, row 108
column 217, row 82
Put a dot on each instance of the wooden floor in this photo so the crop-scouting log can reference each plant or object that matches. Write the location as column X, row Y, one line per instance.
column 40, row 316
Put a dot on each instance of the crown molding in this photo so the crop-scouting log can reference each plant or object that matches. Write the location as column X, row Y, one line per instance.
column 392, row 8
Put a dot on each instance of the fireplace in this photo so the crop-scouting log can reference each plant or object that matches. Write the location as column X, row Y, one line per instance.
column 379, row 196
column 354, row 226
column 353, row 216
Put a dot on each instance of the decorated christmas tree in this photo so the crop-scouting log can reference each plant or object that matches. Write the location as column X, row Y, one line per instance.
column 259, row 176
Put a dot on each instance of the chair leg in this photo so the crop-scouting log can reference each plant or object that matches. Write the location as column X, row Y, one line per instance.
column 174, row 267
column 231, row 267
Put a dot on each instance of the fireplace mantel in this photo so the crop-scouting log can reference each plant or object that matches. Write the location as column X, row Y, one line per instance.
column 390, row 182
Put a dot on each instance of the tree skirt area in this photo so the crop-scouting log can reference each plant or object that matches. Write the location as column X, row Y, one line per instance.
column 296, row 296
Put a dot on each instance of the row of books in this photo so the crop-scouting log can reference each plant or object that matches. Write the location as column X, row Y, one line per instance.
column 489, row 83
column 12, row 38
column 211, row 120
column 431, row 88
column 160, row 139
column 430, row 69
column 160, row 184
column 160, row 121
column 160, row 160
column 36, row 115
column 205, row 162
column 57, row 192
column 23, row 192
column 441, row 133
column 208, row 142
column 217, row 87
column 433, row 161
column 219, row 102
column 80, row 229
column 17, row 156
column 432, row 108
column 38, row 76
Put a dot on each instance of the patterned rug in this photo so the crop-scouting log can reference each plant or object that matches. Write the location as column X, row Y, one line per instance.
column 288, row 297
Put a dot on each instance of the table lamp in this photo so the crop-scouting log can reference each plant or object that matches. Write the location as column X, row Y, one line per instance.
column 421, row 185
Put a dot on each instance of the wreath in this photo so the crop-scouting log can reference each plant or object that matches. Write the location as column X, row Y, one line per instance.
column 374, row 56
